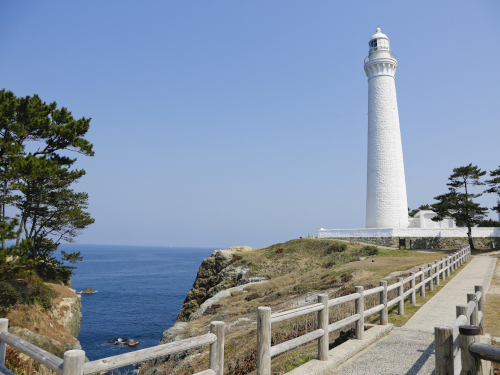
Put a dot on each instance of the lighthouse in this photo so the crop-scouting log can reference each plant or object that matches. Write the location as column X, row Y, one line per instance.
column 386, row 203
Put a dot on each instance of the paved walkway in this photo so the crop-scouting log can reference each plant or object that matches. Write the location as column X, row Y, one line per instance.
column 409, row 350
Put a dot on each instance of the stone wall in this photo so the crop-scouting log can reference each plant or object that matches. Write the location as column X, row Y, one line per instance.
column 434, row 243
column 409, row 232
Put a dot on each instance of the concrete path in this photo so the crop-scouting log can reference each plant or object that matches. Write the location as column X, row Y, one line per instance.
column 409, row 350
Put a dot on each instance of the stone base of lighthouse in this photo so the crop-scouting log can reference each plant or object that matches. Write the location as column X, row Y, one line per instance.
column 421, row 238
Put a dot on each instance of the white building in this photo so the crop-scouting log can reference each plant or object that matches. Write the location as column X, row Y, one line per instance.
column 386, row 204
column 423, row 219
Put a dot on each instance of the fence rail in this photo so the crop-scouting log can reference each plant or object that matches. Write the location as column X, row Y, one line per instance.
column 440, row 269
column 465, row 333
column 73, row 362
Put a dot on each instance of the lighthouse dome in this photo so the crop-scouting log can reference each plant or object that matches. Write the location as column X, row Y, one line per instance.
column 379, row 42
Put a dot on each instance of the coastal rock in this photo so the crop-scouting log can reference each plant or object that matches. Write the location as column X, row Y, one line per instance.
column 251, row 280
column 67, row 313
column 54, row 329
column 223, row 294
column 88, row 291
column 131, row 343
column 46, row 343
column 214, row 275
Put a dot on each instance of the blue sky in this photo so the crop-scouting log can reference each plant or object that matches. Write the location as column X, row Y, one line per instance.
column 244, row 122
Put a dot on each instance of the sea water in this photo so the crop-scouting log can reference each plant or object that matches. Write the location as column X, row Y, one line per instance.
column 140, row 290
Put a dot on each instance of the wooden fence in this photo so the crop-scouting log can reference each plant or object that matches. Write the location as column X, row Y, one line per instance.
column 458, row 350
column 439, row 270
column 73, row 362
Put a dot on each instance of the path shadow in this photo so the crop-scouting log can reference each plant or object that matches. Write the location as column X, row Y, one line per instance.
column 420, row 362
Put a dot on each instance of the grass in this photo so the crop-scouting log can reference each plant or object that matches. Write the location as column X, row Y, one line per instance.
column 298, row 269
column 409, row 309
column 492, row 310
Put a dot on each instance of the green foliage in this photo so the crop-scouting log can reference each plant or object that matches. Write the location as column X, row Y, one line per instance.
column 336, row 247
column 412, row 213
column 35, row 178
column 489, row 223
column 458, row 204
column 494, row 187
column 14, row 292
column 368, row 250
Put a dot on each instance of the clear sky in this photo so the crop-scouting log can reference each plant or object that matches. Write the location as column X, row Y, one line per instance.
column 221, row 123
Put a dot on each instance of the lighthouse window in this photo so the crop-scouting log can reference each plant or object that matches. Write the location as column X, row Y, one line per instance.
column 373, row 43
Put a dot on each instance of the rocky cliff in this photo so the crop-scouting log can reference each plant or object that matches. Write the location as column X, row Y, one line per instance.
column 214, row 275
column 54, row 329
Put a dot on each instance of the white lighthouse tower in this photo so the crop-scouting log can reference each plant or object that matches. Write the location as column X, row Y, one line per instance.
column 386, row 204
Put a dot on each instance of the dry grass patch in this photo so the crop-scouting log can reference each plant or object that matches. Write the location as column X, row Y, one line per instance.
column 492, row 307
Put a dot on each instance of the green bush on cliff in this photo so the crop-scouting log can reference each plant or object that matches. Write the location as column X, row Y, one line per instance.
column 23, row 292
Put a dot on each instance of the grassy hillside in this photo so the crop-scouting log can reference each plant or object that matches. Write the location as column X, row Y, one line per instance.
column 298, row 270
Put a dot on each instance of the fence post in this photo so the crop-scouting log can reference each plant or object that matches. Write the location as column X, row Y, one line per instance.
column 4, row 327
column 473, row 315
column 468, row 335
column 359, row 308
column 413, row 295
column 422, row 278
column 443, row 271
column 448, row 266
column 216, row 359
column 437, row 272
column 323, row 344
column 431, row 275
column 401, row 303
column 462, row 310
column 444, row 350
column 480, row 306
column 264, row 341
column 73, row 362
column 384, row 313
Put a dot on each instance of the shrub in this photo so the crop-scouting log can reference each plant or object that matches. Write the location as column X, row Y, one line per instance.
column 252, row 296
column 235, row 259
column 19, row 291
column 336, row 247
column 489, row 223
column 368, row 250
column 346, row 277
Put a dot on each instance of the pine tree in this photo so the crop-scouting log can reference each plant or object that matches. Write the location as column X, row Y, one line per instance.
column 460, row 205
column 35, row 178
column 494, row 187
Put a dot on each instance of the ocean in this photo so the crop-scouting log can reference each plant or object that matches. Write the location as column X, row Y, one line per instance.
column 140, row 290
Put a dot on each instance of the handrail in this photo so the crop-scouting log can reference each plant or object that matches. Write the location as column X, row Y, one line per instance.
column 4, row 371
column 265, row 351
column 73, row 362
column 343, row 299
column 285, row 315
column 117, row 361
column 467, row 330
column 484, row 351
column 45, row 358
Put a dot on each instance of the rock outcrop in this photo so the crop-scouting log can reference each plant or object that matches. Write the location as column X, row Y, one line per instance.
column 214, row 275
column 54, row 329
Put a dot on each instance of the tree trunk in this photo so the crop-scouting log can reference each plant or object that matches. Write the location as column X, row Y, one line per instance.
column 469, row 230
column 469, row 234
